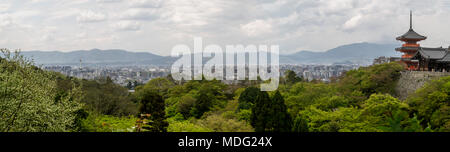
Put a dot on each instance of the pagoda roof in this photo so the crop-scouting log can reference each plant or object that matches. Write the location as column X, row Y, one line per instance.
column 411, row 35
column 407, row 48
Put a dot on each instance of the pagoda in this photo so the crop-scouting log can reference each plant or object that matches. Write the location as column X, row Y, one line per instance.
column 410, row 46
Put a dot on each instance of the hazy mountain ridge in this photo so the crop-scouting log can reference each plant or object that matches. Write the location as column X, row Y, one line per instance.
column 96, row 56
column 357, row 53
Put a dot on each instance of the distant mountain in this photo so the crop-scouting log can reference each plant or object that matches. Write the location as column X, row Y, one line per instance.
column 357, row 53
column 96, row 56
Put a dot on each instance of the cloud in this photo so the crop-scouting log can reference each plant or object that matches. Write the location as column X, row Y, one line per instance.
column 4, row 7
column 90, row 16
column 108, row 1
column 353, row 22
column 145, row 3
column 127, row 26
column 295, row 25
column 256, row 28
column 5, row 21
column 138, row 14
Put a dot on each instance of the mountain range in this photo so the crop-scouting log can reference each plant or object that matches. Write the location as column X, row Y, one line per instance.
column 357, row 53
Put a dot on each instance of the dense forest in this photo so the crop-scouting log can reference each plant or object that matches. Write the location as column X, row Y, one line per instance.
column 362, row 100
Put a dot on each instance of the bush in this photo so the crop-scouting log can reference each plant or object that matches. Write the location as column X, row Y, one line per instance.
column 29, row 100
column 431, row 104
column 105, row 123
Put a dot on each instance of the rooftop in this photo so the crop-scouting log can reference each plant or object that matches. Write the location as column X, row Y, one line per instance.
column 411, row 34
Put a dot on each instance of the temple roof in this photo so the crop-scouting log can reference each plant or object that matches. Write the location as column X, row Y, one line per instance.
column 446, row 58
column 407, row 48
column 433, row 53
column 411, row 35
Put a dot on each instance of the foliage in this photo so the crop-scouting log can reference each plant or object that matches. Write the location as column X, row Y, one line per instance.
column 281, row 121
column 29, row 98
column 380, row 78
column 151, row 102
column 105, row 123
column 105, row 97
column 291, row 77
column 431, row 103
column 218, row 123
column 270, row 114
column 185, row 126
column 247, row 98
column 300, row 124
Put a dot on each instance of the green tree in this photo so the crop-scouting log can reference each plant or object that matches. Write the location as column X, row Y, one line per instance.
column 159, row 85
column 280, row 120
column 201, row 104
column 291, row 77
column 260, row 117
column 185, row 105
column 152, row 103
column 104, row 97
column 380, row 78
column 431, row 104
column 300, row 124
column 247, row 98
column 29, row 99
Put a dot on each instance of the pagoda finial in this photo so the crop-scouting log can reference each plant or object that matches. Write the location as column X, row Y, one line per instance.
column 410, row 19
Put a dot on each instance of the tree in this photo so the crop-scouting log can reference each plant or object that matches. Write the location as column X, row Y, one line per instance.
column 431, row 104
column 29, row 100
column 260, row 117
column 247, row 98
column 159, row 85
column 185, row 105
column 104, row 97
column 300, row 124
column 152, row 103
column 291, row 77
column 201, row 105
column 280, row 120
column 380, row 78
column 129, row 85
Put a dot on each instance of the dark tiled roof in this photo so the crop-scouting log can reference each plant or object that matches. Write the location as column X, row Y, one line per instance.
column 412, row 35
column 433, row 53
column 446, row 58
column 407, row 48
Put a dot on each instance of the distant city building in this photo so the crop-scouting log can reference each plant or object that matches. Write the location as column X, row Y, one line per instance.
column 419, row 58
column 383, row 59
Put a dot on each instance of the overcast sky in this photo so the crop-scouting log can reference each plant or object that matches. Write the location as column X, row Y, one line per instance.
column 157, row 25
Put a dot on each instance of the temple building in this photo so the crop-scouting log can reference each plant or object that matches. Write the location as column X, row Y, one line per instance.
column 417, row 58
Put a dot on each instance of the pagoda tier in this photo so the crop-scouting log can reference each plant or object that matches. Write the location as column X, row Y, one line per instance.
column 410, row 47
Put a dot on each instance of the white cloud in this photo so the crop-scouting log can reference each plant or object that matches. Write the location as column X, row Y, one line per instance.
column 295, row 25
column 353, row 22
column 256, row 28
column 5, row 21
column 4, row 7
column 127, row 25
column 90, row 16
column 138, row 14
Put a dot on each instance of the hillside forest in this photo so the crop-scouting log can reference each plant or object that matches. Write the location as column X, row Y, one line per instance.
column 361, row 100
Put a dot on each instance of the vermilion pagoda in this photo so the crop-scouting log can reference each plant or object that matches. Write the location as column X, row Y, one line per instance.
column 416, row 57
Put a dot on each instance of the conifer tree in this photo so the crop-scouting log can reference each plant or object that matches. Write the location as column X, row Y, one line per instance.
column 247, row 98
column 261, row 112
column 280, row 120
column 152, row 103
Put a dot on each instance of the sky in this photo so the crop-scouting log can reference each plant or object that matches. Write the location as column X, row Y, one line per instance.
column 156, row 26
